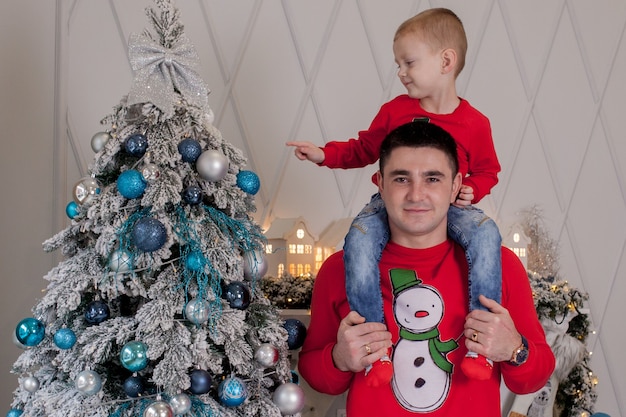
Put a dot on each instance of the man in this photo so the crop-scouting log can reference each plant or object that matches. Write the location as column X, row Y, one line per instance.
column 425, row 301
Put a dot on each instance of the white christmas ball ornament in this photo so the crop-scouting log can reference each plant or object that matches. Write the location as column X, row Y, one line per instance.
column 197, row 311
column 212, row 165
column 88, row 382
column 289, row 398
column 181, row 404
column 30, row 384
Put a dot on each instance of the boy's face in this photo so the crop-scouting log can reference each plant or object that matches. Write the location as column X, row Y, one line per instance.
column 418, row 188
column 419, row 66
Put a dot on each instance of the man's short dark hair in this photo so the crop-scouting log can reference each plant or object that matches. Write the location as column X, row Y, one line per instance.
column 420, row 134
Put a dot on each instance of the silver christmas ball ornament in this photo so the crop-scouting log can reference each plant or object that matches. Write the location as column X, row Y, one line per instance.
column 254, row 265
column 180, row 403
column 120, row 261
column 212, row 165
column 150, row 172
column 86, row 189
column 88, row 382
column 266, row 355
column 99, row 140
column 158, row 409
column 289, row 398
column 30, row 384
column 197, row 311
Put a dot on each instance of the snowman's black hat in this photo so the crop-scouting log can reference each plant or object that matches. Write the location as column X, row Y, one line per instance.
column 401, row 279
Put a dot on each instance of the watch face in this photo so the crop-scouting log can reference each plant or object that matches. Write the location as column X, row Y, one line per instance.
column 521, row 356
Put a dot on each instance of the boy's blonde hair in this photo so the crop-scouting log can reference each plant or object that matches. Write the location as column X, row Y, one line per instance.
column 441, row 29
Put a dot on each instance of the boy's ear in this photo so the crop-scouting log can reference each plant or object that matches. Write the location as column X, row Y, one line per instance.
column 448, row 60
column 457, row 181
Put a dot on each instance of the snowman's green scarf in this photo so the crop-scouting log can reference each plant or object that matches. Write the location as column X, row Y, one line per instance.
column 436, row 347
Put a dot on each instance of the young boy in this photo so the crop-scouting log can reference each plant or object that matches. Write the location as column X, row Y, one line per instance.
column 429, row 49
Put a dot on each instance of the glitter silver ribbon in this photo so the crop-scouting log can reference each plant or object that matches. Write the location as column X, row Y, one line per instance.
column 160, row 71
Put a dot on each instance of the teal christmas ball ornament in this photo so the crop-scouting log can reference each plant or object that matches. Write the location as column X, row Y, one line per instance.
column 64, row 338
column 200, row 382
column 136, row 145
column 14, row 412
column 195, row 261
column 249, row 182
column 134, row 356
column 238, row 295
column 120, row 261
column 131, row 184
column 86, row 189
column 88, row 382
column 134, row 386
column 30, row 331
column 192, row 195
column 96, row 312
column 99, row 140
column 212, row 165
column 189, row 150
column 72, row 209
column 232, row 391
column 296, row 333
column 197, row 311
column 180, row 403
column 149, row 234
column 289, row 398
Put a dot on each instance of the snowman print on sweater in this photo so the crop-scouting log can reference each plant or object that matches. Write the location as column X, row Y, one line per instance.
column 422, row 373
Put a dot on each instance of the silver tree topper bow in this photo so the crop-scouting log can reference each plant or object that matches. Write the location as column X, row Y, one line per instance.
column 160, row 71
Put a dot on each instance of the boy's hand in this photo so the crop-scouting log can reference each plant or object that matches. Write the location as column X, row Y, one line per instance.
column 465, row 197
column 307, row 150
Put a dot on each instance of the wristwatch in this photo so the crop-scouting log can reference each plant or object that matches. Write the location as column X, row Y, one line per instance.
column 520, row 355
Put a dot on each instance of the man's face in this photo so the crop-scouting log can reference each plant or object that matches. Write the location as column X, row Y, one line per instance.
column 417, row 187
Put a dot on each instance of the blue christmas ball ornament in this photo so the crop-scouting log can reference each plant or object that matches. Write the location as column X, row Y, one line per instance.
column 296, row 333
column 133, row 356
column 72, row 209
column 149, row 234
column 248, row 181
column 232, row 392
column 195, row 261
column 96, row 312
column 237, row 295
column 134, row 386
column 30, row 331
column 131, row 184
column 65, row 338
column 200, row 381
column 192, row 195
column 189, row 149
column 14, row 412
column 136, row 145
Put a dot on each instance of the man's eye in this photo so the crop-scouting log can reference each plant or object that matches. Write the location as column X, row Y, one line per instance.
column 433, row 179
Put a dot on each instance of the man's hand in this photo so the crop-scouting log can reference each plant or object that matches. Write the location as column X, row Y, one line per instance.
column 359, row 344
column 465, row 197
column 495, row 334
column 307, row 150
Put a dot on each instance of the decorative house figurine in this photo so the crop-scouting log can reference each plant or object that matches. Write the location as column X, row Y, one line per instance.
column 518, row 242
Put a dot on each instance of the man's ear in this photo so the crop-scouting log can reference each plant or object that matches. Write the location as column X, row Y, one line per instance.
column 448, row 60
column 457, row 181
column 379, row 180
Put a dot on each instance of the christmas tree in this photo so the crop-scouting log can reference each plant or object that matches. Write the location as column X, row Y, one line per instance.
column 156, row 308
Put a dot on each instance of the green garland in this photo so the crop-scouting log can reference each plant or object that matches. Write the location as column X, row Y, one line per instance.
column 288, row 291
